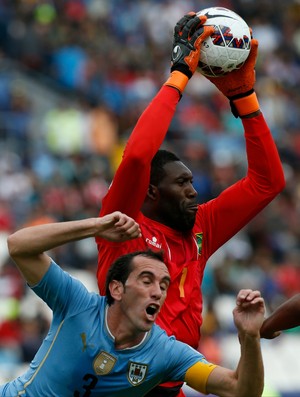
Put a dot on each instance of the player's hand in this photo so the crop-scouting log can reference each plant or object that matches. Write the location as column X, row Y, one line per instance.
column 117, row 227
column 189, row 34
column 238, row 86
column 239, row 81
column 249, row 312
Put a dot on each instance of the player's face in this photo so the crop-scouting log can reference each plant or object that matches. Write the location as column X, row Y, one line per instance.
column 177, row 205
column 144, row 293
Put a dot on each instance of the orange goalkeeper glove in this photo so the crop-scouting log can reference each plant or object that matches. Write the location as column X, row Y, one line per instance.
column 238, row 85
column 189, row 34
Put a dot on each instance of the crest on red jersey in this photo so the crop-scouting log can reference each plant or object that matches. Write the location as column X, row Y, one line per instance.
column 199, row 238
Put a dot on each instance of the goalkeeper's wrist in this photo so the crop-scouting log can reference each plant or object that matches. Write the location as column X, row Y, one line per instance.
column 177, row 80
column 244, row 104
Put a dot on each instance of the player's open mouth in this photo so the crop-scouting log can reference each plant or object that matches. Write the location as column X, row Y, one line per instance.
column 152, row 309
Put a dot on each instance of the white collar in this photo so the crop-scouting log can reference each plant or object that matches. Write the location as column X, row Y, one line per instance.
column 113, row 338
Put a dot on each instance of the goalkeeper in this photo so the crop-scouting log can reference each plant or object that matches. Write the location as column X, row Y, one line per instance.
column 156, row 189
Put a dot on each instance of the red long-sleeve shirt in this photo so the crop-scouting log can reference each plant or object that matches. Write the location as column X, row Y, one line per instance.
column 216, row 221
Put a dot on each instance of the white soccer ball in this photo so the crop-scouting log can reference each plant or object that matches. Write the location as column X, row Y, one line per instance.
column 229, row 46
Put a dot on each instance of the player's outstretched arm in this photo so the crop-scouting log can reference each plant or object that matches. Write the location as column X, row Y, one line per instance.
column 286, row 316
column 28, row 246
column 248, row 379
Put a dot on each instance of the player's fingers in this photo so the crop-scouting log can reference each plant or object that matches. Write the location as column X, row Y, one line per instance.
column 182, row 22
column 128, row 226
column 202, row 34
column 247, row 295
column 109, row 220
column 190, row 27
column 251, row 60
column 134, row 231
column 131, row 233
column 257, row 300
column 203, row 19
column 119, row 221
column 125, row 222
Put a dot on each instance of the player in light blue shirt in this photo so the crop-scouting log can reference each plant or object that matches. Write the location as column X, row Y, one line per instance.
column 109, row 346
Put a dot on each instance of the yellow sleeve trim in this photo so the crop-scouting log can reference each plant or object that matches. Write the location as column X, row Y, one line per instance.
column 197, row 375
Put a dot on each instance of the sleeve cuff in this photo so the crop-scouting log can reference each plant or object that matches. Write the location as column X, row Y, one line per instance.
column 246, row 105
column 177, row 80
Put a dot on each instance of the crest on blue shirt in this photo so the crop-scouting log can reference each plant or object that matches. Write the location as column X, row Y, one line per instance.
column 136, row 373
column 104, row 363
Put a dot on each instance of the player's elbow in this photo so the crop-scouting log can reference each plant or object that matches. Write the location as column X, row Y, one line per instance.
column 247, row 390
column 279, row 184
column 14, row 248
column 273, row 186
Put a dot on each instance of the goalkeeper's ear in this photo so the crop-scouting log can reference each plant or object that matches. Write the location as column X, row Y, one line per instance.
column 152, row 192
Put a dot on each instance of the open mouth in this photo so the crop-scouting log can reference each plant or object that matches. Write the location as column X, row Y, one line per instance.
column 152, row 309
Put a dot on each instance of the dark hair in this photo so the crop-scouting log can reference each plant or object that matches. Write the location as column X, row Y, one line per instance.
column 123, row 266
column 161, row 158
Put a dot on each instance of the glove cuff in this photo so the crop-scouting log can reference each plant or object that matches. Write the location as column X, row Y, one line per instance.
column 244, row 104
column 177, row 80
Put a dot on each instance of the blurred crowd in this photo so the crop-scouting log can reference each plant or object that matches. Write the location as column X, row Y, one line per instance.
column 105, row 60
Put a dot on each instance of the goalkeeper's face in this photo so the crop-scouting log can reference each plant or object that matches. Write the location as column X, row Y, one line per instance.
column 177, row 199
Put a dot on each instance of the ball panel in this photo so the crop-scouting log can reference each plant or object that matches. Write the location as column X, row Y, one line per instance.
column 228, row 48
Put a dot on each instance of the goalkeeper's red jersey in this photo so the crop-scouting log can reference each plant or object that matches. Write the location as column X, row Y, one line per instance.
column 216, row 221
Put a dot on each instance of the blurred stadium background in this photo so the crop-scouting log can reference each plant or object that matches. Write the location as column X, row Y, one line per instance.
column 74, row 78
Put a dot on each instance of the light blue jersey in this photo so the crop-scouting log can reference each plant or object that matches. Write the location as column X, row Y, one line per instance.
column 78, row 357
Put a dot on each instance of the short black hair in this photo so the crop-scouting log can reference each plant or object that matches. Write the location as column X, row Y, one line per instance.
column 123, row 266
column 161, row 158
